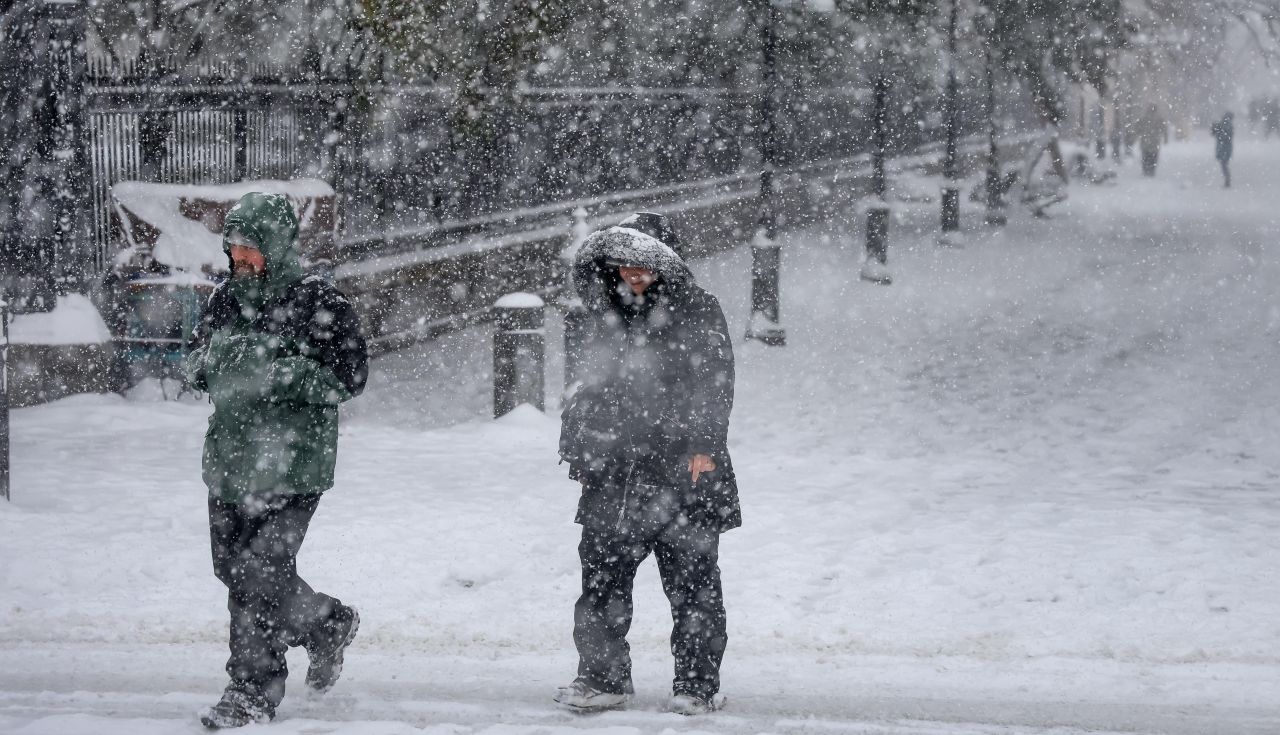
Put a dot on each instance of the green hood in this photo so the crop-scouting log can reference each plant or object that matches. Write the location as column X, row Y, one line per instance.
column 269, row 220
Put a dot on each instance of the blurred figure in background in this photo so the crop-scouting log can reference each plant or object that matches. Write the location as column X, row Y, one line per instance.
column 1224, row 133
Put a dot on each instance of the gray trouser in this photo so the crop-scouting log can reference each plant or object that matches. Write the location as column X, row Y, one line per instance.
column 687, row 559
column 255, row 550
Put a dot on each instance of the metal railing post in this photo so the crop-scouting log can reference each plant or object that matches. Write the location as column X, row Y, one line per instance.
column 766, row 253
column 951, row 114
column 575, row 314
column 874, row 268
column 4, row 399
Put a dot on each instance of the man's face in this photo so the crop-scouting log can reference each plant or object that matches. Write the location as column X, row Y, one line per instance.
column 247, row 262
column 636, row 277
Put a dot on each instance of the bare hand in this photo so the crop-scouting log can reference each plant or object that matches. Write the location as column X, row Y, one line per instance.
column 700, row 463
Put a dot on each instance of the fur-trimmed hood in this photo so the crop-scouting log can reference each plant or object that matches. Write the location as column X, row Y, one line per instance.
column 597, row 261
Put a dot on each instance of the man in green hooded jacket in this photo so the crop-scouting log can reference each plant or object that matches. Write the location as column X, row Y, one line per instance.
column 276, row 352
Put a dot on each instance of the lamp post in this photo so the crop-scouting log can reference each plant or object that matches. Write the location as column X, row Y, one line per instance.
column 874, row 268
column 951, row 123
column 766, row 254
column 4, row 399
column 66, row 22
column 994, row 185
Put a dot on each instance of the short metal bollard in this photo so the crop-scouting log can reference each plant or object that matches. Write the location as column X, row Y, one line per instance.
column 519, row 353
column 950, row 209
column 874, row 269
column 766, row 299
column 4, row 399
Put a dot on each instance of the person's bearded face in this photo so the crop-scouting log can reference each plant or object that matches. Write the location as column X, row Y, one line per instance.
column 247, row 262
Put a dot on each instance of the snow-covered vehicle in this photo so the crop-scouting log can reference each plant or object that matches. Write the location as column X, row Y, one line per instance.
column 170, row 259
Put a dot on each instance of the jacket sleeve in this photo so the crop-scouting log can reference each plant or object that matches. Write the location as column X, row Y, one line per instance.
column 337, row 341
column 217, row 313
column 710, row 356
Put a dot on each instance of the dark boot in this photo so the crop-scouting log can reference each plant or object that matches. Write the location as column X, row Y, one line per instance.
column 326, row 646
column 239, row 706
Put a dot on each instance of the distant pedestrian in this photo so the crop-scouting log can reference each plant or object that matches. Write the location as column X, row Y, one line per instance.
column 1152, row 131
column 646, row 435
column 276, row 352
column 1224, row 133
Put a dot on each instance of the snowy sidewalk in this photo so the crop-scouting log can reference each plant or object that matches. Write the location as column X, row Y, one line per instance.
column 1031, row 487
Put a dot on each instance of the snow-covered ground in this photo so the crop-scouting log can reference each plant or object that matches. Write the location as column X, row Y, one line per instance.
column 1032, row 487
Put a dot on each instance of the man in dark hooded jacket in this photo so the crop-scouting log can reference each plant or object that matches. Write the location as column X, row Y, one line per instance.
column 646, row 434
column 276, row 352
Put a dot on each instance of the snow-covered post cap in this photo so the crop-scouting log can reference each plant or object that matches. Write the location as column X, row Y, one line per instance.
column 761, row 239
column 895, row 208
column 578, row 234
column 520, row 300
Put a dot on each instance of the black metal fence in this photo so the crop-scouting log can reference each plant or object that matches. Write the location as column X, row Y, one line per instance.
column 198, row 124
column 405, row 157
column 411, row 169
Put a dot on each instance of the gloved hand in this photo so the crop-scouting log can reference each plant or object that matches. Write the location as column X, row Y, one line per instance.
column 300, row 379
column 237, row 364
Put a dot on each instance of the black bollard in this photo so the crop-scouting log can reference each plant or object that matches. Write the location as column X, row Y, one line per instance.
column 874, row 269
column 519, row 353
column 951, row 121
column 950, row 209
column 4, row 399
column 995, row 183
column 766, row 264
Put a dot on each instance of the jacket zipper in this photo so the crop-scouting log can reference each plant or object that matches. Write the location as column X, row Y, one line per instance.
column 631, row 464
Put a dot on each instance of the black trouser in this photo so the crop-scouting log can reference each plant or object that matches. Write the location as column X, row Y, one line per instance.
column 1226, row 171
column 255, row 551
column 688, row 563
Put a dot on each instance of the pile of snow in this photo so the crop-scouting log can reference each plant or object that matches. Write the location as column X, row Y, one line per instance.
column 192, row 244
column 74, row 321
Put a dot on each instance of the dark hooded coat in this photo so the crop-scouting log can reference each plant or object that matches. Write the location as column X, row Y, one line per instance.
column 1224, row 134
column 657, row 388
column 276, row 356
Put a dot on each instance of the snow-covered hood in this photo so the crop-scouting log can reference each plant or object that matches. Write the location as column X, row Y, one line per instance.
column 595, row 266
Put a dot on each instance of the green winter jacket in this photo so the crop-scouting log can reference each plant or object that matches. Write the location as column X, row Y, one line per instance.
column 276, row 356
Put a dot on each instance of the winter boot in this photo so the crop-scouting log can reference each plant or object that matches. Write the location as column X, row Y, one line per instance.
column 694, row 704
column 326, row 645
column 582, row 697
column 240, row 705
